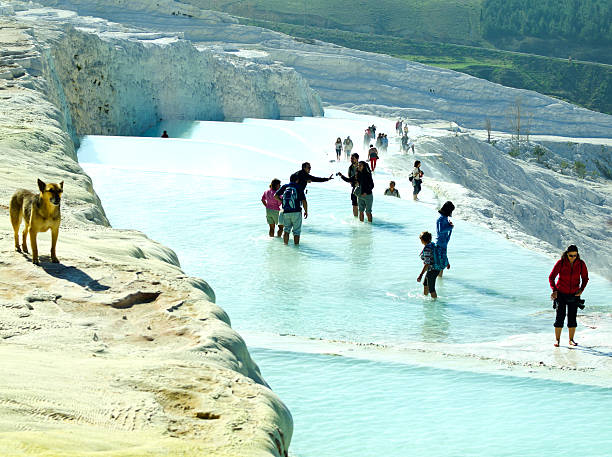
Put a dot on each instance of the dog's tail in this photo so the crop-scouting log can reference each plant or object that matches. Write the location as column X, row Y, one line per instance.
column 16, row 208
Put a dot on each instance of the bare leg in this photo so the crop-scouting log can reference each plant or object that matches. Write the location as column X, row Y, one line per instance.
column 54, row 234
column 414, row 197
column 434, row 295
column 425, row 290
column 34, row 246
column 369, row 217
column 280, row 231
column 355, row 210
column 440, row 274
column 572, row 332
column 558, row 335
column 361, row 216
column 271, row 232
column 296, row 239
column 286, row 238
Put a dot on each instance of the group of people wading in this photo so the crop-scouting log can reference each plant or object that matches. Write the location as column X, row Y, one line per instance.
column 284, row 205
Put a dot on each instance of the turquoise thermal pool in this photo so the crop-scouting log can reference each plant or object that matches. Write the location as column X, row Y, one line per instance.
column 352, row 283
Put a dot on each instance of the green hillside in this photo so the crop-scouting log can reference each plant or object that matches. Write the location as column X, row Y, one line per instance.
column 456, row 21
column 462, row 35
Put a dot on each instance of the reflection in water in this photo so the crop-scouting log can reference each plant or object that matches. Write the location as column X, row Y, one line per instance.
column 436, row 323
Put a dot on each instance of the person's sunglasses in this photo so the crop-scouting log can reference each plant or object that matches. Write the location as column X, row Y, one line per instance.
column 572, row 255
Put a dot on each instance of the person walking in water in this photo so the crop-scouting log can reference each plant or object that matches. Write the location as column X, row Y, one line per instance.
column 566, row 291
column 338, row 148
column 273, row 207
column 429, row 268
column 373, row 156
column 364, row 188
column 165, row 135
column 392, row 191
column 444, row 229
column 417, row 178
column 292, row 198
column 304, row 177
column 348, row 146
column 352, row 179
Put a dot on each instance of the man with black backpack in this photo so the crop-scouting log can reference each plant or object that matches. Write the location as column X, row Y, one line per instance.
column 292, row 198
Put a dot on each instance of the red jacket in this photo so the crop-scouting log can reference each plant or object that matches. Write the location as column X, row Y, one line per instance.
column 569, row 276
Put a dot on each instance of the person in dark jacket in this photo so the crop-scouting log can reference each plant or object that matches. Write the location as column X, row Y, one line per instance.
column 364, row 188
column 352, row 179
column 304, row 177
column 573, row 278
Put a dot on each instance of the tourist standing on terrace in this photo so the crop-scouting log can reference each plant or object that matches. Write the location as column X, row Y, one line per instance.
column 417, row 178
column 348, row 146
column 444, row 229
column 373, row 156
column 304, row 177
column 573, row 278
column 272, row 207
column 291, row 196
column 352, row 179
column 338, row 148
column 365, row 199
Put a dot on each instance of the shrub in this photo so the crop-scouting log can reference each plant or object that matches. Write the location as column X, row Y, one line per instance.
column 580, row 168
column 539, row 152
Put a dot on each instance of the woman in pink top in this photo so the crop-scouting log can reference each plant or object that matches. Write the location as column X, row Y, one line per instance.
column 272, row 207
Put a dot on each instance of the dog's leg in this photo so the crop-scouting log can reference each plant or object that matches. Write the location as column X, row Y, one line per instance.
column 34, row 246
column 54, row 234
column 16, row 221
column 24, row 244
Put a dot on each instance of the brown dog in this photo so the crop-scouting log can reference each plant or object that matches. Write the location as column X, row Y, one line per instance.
column 40, row 212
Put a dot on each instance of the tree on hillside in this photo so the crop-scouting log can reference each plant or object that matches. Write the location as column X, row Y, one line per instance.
column 488, row 127
column 520, row 124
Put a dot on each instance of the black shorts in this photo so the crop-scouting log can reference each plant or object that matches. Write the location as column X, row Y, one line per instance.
column 430, row 280
column 353, row 199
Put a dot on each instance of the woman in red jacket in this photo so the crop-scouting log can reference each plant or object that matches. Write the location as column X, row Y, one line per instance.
column 573, row 278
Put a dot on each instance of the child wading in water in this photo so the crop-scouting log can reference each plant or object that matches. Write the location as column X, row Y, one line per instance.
column 428, row 254
column 272, row 207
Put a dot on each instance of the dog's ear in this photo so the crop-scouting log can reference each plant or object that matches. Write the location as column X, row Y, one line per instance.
column 62, row 186
column 41, row 185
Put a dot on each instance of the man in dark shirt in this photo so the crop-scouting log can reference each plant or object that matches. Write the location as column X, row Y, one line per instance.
column 304, row 177
column 292, row 198
column 352, row 179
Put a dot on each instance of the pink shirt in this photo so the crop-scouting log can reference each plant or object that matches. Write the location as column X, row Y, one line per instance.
column 271, row 202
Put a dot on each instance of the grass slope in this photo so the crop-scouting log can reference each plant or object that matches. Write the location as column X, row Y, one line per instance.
column 435, row 20
column 582, row 83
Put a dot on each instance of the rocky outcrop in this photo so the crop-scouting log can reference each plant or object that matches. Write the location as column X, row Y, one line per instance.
column 114, row 348
column 122, row 82
column 521, row 199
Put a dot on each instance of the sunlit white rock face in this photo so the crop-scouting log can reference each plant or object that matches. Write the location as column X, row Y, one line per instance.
column 112, row 81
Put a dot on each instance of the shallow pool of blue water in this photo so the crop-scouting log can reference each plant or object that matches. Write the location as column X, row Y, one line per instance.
column 350, row 282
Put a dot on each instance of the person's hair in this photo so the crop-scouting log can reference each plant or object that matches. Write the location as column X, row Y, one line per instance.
column 371, row 145
column 275, row 182
column 425, row 236
column 417, row 163
column 305, row 164
column 570, row 248
column 294, row 177
column 447, row 209
column 392, row 183
column 366, row 167
column 354, row 154
column 339, row 139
